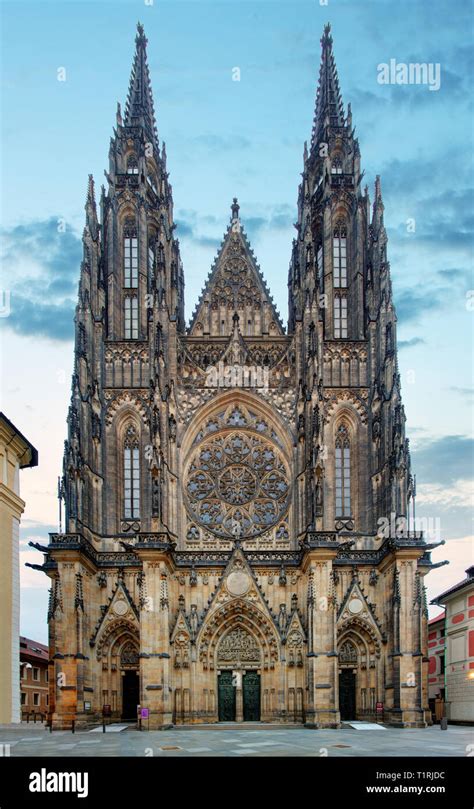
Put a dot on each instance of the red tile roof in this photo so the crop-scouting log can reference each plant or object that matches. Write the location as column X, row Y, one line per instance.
column 439, row 617
column 33, row 649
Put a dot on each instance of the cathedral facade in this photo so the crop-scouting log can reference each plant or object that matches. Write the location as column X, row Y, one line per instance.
column 237, row 494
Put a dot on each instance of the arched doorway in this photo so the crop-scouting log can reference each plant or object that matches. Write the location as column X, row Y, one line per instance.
column 129, row 668
column 118, row 650
column 239, row 659
column 347, row 681
column 360, row 684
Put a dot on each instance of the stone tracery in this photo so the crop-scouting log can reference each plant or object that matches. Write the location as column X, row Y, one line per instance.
column 237, row 479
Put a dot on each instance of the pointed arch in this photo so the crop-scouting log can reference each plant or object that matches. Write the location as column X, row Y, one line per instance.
column 245, row 616
column 342, row 467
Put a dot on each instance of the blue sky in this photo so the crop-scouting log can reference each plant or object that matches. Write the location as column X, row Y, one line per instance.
column 226, row 138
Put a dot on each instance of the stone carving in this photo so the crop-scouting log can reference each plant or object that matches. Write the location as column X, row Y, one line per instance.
column 129, row 656
column 238, row 647
column 348, row 653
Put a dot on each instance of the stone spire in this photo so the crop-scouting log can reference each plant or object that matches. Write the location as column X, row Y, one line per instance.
column 329, row 109
column 139, row 109
column 91, row 208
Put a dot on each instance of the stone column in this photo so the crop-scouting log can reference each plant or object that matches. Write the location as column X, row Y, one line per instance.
column 321, row 663
column 155, row 654
column 239, row 695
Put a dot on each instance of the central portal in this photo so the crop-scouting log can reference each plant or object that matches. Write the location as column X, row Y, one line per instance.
column 234, row 700
column 251, row 696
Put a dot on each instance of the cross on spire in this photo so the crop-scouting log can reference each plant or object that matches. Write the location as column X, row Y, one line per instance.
column 139, row 109
column 329, row 110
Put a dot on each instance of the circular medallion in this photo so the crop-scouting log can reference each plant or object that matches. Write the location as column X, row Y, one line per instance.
column 120, row 607
column 238, row 582
column 237, row 485
column 355, row 606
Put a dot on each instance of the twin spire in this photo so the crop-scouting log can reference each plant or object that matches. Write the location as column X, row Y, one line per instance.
column 329, row 109
column 139, row 108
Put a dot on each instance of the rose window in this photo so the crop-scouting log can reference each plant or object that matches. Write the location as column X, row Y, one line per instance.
column 237, row 484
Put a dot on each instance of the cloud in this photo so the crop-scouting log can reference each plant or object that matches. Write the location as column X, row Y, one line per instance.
column 414, row 341
column 445, row 460
column 444, row 287
column 459, row 553
column 275, row 218
column 412, row 303
column 467, row 393
column 437, row 494
column 41, row 261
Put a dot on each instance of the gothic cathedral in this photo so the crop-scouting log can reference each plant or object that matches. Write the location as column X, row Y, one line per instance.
column 237, row 493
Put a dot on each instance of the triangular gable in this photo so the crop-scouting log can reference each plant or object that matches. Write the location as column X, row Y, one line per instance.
column 119, row 606
column 355, row 607
column 235, row 279
column 238, row 582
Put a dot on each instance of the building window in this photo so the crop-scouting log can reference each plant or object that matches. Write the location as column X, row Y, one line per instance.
column 24, row 700
column 340, row 316
column 336, row 167
column 36, row 674
column 46, row 676
column 131, row 475
column 151, row 180
column 339, row 248
column 319, row 261
column 36, row 699
column 132, row 165
column 343, row 473
column 441, row 664
column 47, row 699
column 388, row 339
column 160, row 258
column 131, row 318
column 151, row 258
column 130, row 258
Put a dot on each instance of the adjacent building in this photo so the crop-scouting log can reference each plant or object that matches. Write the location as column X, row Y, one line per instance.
column 16, row 453
column 34, row 695
column 436, row 665
column 459, row 638
column 238, row 492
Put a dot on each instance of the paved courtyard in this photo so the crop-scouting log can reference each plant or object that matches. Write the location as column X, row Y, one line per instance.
column 237, row 741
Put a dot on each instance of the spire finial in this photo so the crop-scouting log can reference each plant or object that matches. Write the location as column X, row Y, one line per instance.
column 235, row 207
column 326, row 37
column 140, row 37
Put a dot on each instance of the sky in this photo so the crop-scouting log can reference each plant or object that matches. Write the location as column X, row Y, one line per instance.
column 227, row 138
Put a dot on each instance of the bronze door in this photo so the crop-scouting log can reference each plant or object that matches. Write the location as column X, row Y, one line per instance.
column 251, row 696
column 226, row 692
column 130, row 694
column 347, row 695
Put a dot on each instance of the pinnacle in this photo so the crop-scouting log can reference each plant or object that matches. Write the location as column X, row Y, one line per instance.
column 329, row 109
column 139, row 108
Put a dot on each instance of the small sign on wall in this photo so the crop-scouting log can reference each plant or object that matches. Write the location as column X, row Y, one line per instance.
column 144, row 713
column 87, row 706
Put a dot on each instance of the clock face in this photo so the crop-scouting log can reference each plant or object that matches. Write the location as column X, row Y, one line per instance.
column 355, row 606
